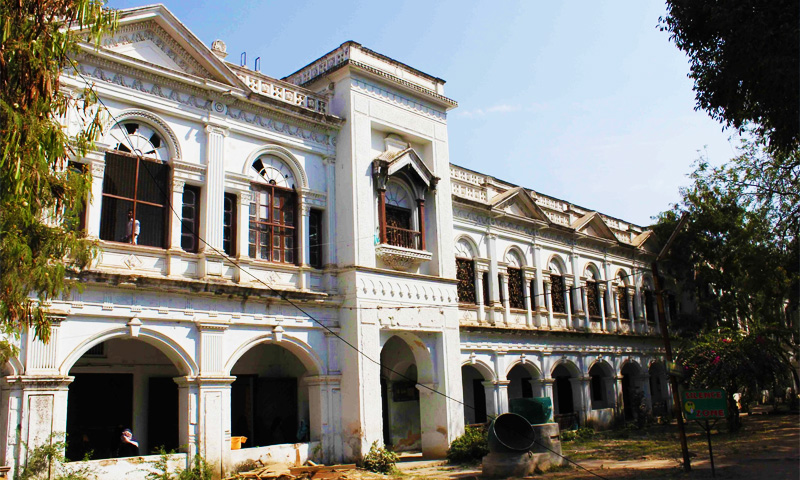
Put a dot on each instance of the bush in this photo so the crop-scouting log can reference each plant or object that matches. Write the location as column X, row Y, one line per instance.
column 470, row 447
column 579, row 434
column 379, row 459
column 199, row 470
column 51, row 455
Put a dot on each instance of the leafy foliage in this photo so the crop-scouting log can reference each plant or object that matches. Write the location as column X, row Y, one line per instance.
column 728, row 266
column 40, row 198
column 579, row 434
column 470, row 447
column 736, row 362
column 379, row 459
column 199, row 470
column 50, row 456
column 745, row 55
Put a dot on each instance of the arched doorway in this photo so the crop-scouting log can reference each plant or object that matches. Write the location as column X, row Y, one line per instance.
column 269, row 398
column 632, row 389
column 474, row 395
column 524, row 382
column 565, row 396
column 601, row 386
column 400, row 397
column 122, row 383
column 659, row 391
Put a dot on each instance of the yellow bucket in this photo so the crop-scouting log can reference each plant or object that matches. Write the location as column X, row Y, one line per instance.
column 236, row 442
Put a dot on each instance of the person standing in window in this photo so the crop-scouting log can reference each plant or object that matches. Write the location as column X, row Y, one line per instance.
column 132, row 230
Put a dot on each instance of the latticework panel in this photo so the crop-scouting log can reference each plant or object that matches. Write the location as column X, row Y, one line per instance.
column 557, row 294
column 593, row 299
column 465, row 275
column 516, row 292
column 622, row 296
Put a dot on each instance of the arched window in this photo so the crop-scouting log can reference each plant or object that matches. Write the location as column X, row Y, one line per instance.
column 465, row 272
column 402, row 226
column 592, row 292
column 273, row 212
column 135, row 185
column 557, row 288
column 516, row 291
column 622, row 296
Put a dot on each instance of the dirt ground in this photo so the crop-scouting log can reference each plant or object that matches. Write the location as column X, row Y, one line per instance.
column 767, row 447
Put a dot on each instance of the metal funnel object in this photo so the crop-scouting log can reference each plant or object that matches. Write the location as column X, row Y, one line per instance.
column 511, row 433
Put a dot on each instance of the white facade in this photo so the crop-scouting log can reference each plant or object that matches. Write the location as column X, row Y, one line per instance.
column 288, row 235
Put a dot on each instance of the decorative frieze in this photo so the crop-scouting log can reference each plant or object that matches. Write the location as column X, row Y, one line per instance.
column 398, row 100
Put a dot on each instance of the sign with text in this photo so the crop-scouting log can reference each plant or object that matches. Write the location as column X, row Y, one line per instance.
column 704, row 404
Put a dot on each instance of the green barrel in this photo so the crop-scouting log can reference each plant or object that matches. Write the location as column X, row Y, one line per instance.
column 535, row 410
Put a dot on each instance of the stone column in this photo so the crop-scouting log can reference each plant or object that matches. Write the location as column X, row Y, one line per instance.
column 494, row 290
column 631, row 312
column 601, row 291
column 324, row 395
column 616, row 307
column 586, row 394
column 576, row 276
column 503, row 279
column 548, row 288
column 213, row 193
column 620, row 408
column 502, row 395
column 329, row 248
column 578, row 403
column 304, row 249
column 567, row 301
column 528, row 275
column 547, row 391
column 538, row 291
column 491, row 399
column 213, row 438
column 480, row 270
column 174, row 225
column 587, row 323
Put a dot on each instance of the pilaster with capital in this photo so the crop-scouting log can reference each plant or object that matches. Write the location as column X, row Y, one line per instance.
column 528, row 275
column 576, row 276
column 214, row 191
column 548, row 290
column 567, row 300
column 601, row 292
column 176, row 196
column 502, row 270
column 494, row 288
column 585, row 296
column 481, row 269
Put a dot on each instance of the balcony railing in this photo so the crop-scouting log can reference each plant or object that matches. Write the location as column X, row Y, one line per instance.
column 401, row 237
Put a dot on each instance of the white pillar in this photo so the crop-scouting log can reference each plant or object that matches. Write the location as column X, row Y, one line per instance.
column 304, row 249
column 528, row 293
column 494, row 290
column 548, row 287
column 503, row 279
column 601, row 291
column 576, row 277
column 631, row 312
column 587, row 324
column 502, row 395
column 567, row 302
column 212, row 195
column 480, row 271
column 616, row 309
column 324, row 405
column 538, row 292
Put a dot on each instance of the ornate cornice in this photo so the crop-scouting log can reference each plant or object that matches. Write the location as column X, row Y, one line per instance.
column 397, row 99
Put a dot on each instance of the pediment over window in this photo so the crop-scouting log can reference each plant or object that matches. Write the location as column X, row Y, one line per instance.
column 592, row 224
column 647, row 241
column 155, row 36
column 407, row 162
column 517, row 202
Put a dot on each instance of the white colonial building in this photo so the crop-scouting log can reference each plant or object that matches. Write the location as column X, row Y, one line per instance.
column 265, row 245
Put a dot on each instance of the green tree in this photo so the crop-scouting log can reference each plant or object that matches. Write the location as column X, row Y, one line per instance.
column 744, row 61
column 40, row 197
column 736, row 362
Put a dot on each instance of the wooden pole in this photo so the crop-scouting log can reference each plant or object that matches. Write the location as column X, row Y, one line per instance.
column 673, row 381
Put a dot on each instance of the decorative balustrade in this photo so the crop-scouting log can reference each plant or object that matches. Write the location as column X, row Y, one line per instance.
column 401, row 237
column 280, row 91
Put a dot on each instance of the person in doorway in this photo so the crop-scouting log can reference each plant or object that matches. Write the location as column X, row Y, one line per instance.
column 128, row 446
column 132, row 229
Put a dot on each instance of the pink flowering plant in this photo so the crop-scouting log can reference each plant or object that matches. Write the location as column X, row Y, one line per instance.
column 737, row 362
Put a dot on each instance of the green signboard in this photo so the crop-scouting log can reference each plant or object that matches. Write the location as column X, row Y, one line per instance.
column 704, row 404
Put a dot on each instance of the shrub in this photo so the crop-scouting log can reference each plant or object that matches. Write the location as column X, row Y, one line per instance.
column 470, row 447
column 199, row 470
column 51, row 454
column 379, row 459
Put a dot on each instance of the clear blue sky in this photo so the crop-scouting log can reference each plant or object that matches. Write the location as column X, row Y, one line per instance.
column 586, row 101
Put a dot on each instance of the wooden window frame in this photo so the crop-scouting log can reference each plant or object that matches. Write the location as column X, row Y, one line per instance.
column 259, row 227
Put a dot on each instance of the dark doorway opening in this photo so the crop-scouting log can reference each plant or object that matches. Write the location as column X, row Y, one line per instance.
column 95, row 419
column 162, row 423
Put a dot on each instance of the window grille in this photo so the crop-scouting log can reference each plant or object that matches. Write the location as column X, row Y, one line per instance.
column 622, row 295
column 315, row 238
column 557, row 293
column 592, row 298
column 516, row 292
column 465, row 274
